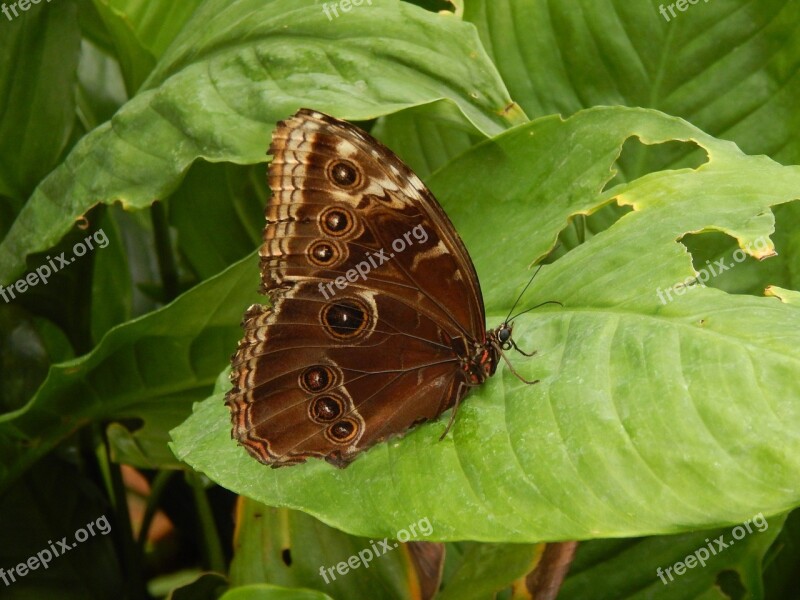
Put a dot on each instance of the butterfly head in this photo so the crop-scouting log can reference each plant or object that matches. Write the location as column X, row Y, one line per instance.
column 503, row 335
column 500, row 338
column 498, row 341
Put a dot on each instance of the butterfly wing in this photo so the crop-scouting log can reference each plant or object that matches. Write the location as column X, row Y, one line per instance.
column 335, row 185
column 366, row 334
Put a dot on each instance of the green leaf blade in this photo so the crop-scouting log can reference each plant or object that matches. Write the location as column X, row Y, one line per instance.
column 649, row 417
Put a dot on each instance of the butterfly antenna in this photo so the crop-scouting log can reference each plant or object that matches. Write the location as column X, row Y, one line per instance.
column 525, row 289
column 530, row 281
column 537, row 306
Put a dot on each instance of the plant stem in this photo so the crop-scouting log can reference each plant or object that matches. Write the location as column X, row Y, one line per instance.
column 213, row 545
column 129, row 553
column 166, row 260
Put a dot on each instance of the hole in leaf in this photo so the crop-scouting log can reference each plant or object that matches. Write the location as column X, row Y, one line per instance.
column 638, row 159
column 286, row 557
column 730, row 583
column 435, row 5
column 721, row 264
column 581, row 228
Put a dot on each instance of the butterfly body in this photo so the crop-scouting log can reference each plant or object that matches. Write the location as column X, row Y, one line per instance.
column 377, row 320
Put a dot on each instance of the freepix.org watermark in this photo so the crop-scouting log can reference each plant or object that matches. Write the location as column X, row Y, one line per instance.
column 681, row 5
column 42, row 274
column 712, row 548
column 375, row 550
column 332, row 9
column 61, row 547
column 374, row 260
column 709, row 271
column 23, row 5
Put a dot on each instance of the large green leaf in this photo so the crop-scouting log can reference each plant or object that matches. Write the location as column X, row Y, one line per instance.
column 142, row 30
column 218, row 214
column 146, row 372
column 293, row 549
column 217, row 92
column 40, row 58
column 731, row 68
column 645, row 410
column 722, row 560
column 424, row 137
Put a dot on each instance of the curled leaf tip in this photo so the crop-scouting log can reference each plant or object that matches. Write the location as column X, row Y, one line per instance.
column 784, row 295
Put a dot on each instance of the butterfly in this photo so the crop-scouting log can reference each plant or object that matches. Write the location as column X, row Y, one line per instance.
column 376, row 321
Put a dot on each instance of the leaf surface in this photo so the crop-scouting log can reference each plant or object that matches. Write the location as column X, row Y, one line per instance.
column 217, row 93
column 646, row 409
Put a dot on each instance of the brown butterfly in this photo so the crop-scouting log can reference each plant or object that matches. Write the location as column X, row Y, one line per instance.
column 377, row 320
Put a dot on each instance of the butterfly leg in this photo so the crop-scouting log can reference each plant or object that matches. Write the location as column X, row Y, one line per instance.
column 452, row 417
column 514, row 371
column 518, row 349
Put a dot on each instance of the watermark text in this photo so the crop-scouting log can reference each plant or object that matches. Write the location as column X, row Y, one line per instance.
column 374, row 260
column 43, row 272
column 61, row 547
column 681, row 5
column 375, row 550
column 712, row 548
column 710, row 270
column 23, row 5
column 332, row 9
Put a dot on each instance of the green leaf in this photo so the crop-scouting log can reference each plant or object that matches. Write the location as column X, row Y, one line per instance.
column 483, row 570
column 218, row 214
column 293, row 549
column 100, row 90
column 111, row 279
column 40, row 50
column 645, row 410
column 751, row 276
column 155, row 23
column 740, row 83
column 272, row 592
column 646, row 568
column 27, row 347
column 141, row 30
column 148, row 370
column 424, row 137
column 206, row 586
column 780, row 563
column 217, row 93
column 135, row 61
